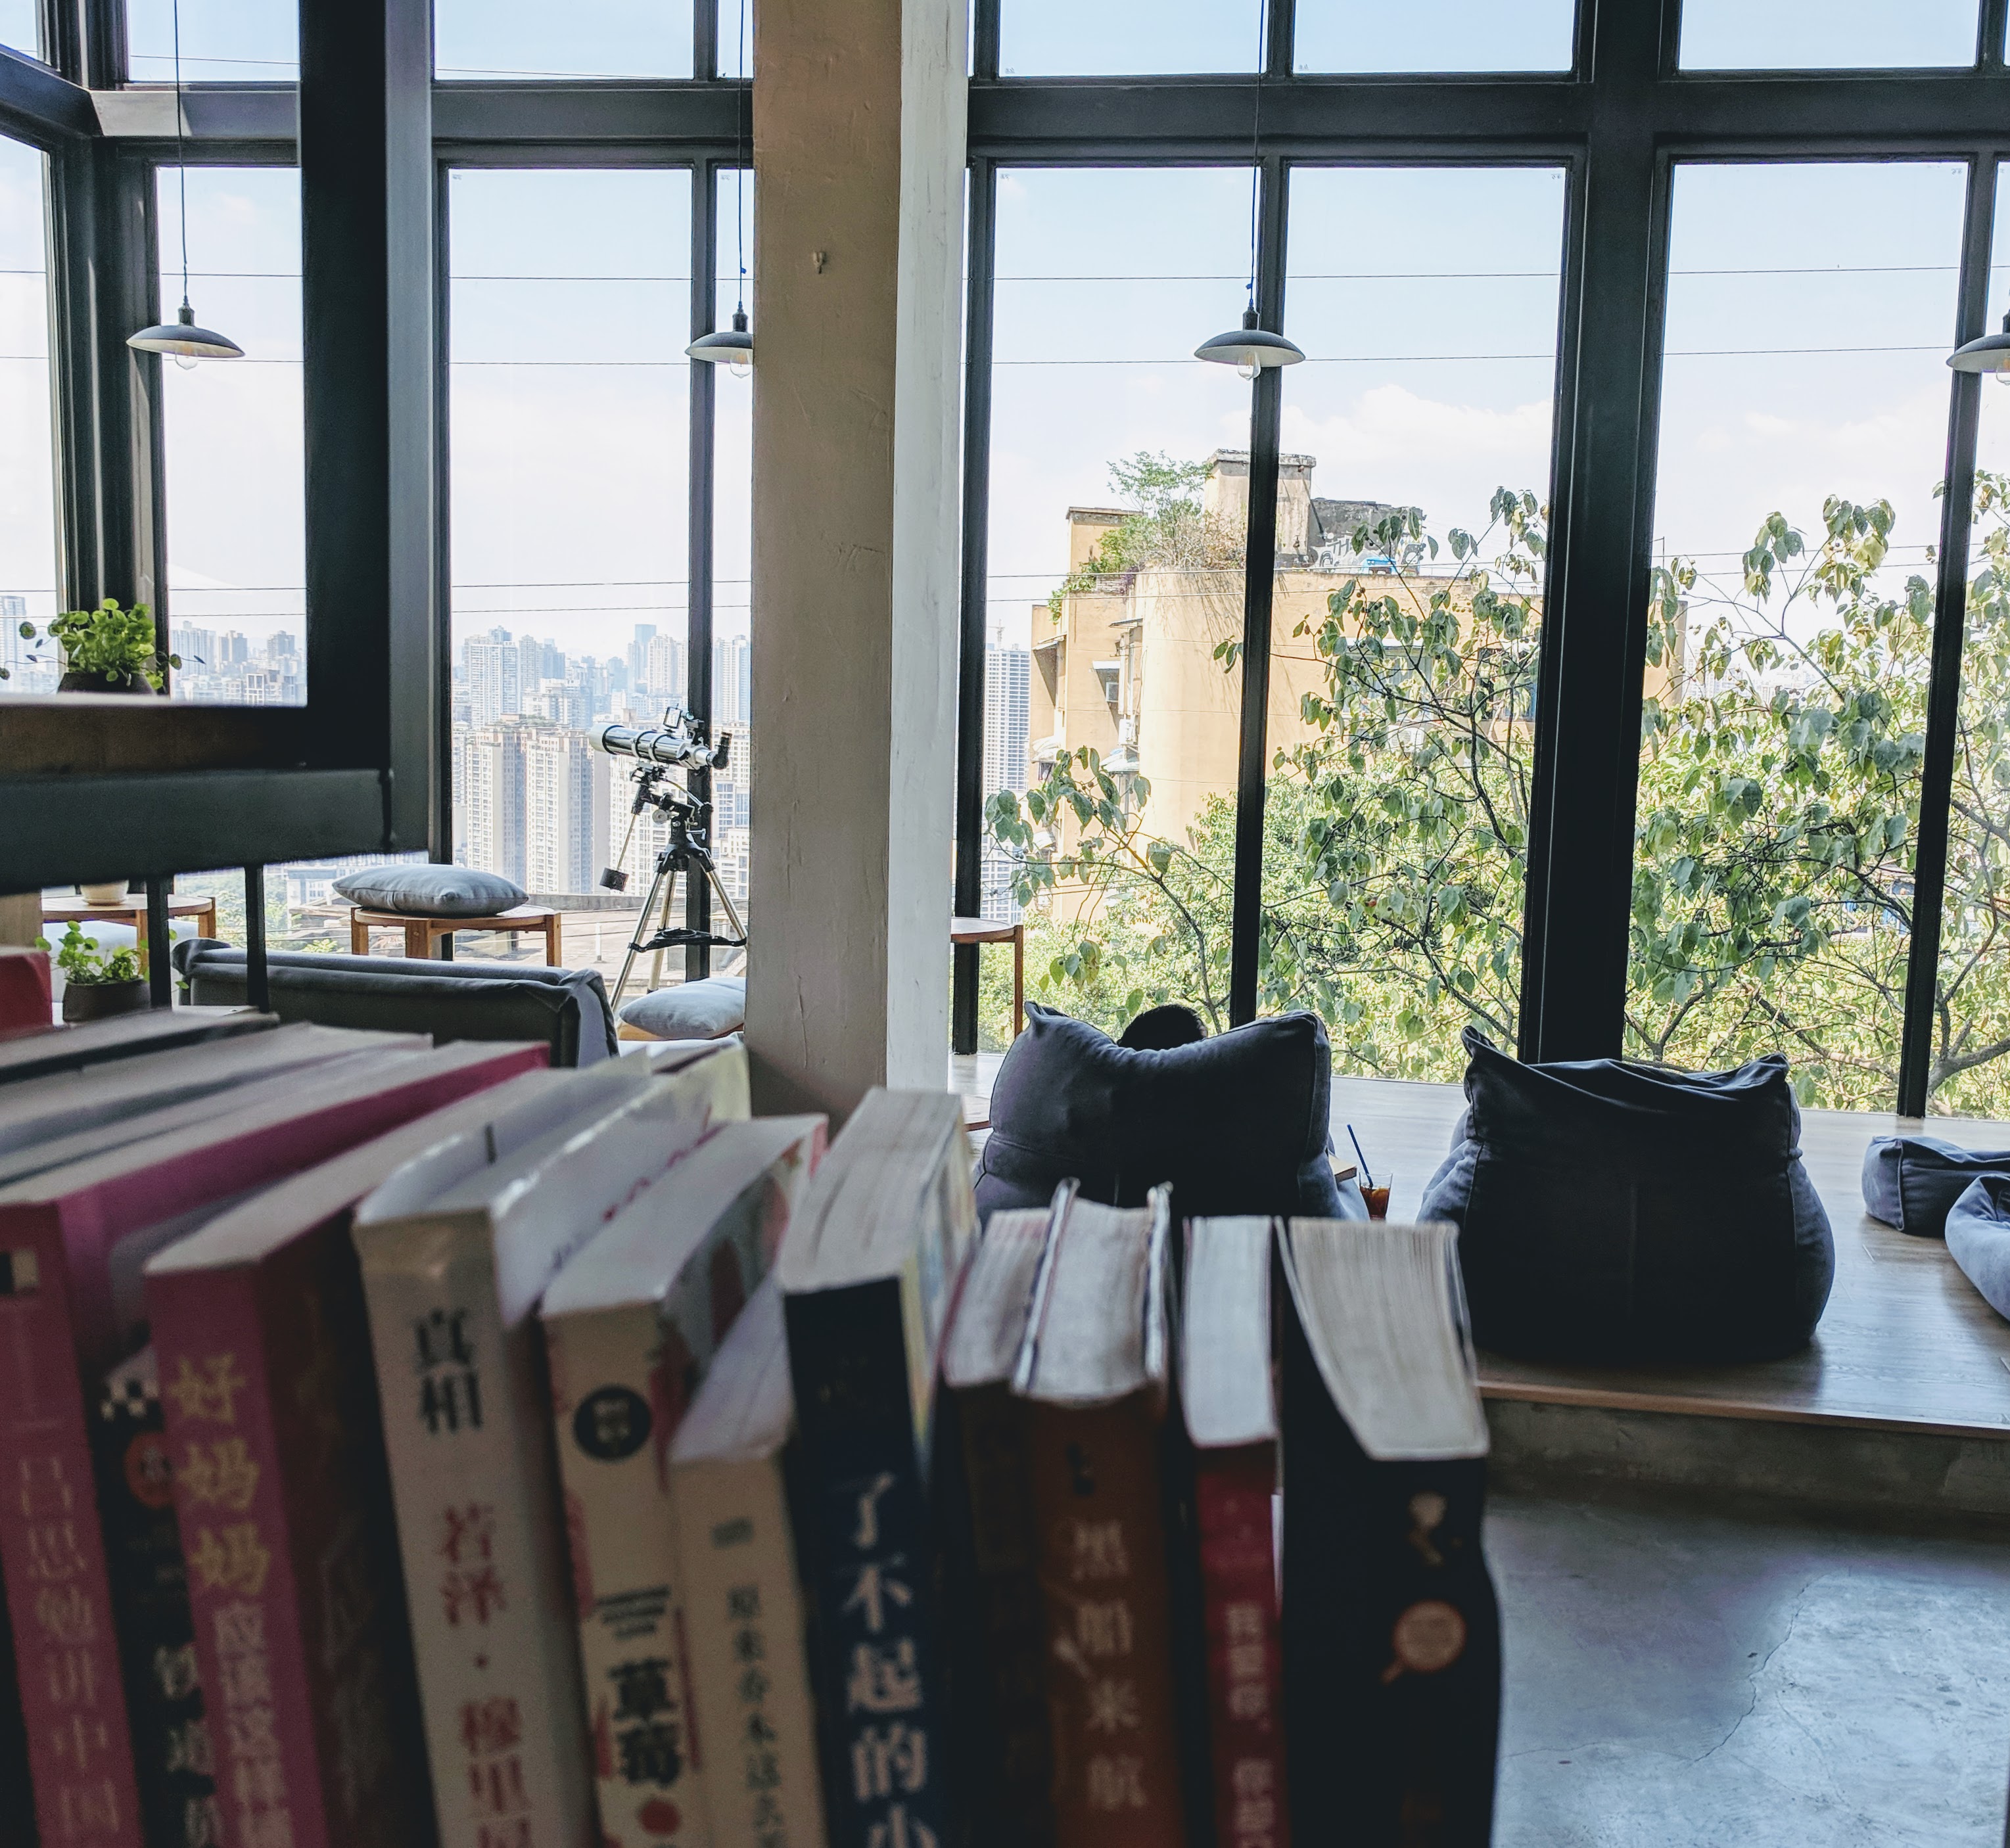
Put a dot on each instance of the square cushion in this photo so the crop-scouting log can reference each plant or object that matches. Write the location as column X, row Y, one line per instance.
column 1911, row 1182
column 424, row 891
column 700, row 1010
column 1978, row 1238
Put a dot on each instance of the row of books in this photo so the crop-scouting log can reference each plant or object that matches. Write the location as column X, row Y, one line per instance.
column 677, row 1482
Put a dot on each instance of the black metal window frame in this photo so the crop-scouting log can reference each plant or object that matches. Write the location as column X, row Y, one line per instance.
column 368, row 763
column 1617, row 122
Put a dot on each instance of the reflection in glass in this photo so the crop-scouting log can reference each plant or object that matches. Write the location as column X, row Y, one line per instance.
column 1435, row 35
column 1803, row 431
column 569, row 447
column 27, row 455
column 1119, row 485
column 223, row 41
column 1413, row 524
column 236, row 529
column 1826, row 35
column 1120, row 38
column 478, row 39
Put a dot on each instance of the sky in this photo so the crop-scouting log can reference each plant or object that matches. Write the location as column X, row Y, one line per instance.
column 1427, row 301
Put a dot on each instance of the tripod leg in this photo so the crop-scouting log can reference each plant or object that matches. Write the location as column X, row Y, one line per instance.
column 663, row 924
column 725, row 899
column 641, row 921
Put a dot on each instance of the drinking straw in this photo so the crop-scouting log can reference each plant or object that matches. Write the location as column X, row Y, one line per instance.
column 1366, row 1173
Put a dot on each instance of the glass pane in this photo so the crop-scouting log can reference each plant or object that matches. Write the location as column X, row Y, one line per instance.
column 1804, row 412
column 235, row 487
column 1970, row 1074
column 1412, row 522
column 570, row 300
column 1116, row 570
column 1121, row 37
column 732, row 561
column 222, row 40
column 27, row 456
column 736, row 38
column 20, row 26
column 1435, row 35
column 1825, row 34
column 529, row 38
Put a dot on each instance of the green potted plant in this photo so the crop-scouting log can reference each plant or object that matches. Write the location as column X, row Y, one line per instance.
column 106, row 650
column 96, row 983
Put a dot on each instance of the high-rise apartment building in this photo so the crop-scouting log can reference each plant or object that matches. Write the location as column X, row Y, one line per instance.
column 566, row 795
column 663, row 676
column 638, row 661
column 493, row 785
column 1008, row 679
column 494, row 665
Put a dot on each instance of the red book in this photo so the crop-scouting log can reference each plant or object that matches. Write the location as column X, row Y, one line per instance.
column 24, row 989
column 72, row 1242
column 1231, row 1419
column 280, row 1487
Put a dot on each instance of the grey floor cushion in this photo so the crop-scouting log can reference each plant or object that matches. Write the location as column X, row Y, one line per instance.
column 1912, row 1182
column 1978, row 1238
column 417, row 891
column 702, row 1010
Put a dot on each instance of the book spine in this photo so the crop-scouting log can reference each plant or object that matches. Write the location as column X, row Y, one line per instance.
column 618, row 1383
column 1106, row 1593
column 171, row 1741
column 1004, row 1758
column 465, row 1402
column 863, row 1529
column 229, row 1472
column 1392, row 1657
column 744, row 1626
column 1233, row 1498
column 52, row 1554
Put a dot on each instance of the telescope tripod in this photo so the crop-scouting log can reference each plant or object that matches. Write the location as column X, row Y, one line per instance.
column 680, row 854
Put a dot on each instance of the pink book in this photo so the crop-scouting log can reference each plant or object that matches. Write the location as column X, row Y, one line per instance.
column 72, row 1243
column 273, row 1428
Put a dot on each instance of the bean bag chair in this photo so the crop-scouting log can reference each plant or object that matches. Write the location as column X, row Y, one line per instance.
column 1620, row 1212
column 1912, row 1182
column 1978, row 1238
column 1238, row 1123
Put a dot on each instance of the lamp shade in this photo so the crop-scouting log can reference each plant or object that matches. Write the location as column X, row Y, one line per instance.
column 1249, row 348
column 1991, row 353
column 732, row 346
column 182, row 337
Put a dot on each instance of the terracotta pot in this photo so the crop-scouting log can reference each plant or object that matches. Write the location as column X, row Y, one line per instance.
column 74, row 682
column 96, row 1001
column 109, row 892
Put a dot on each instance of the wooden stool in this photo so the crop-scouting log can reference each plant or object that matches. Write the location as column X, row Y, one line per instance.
column 981, row 930
column 132, row 912
column 422, row 934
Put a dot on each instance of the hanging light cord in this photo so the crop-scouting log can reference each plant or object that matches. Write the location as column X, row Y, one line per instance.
column 739, row 168
column 1256, row 140
column 181, row 163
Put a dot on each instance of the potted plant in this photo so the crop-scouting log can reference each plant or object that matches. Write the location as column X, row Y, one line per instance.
column 97, row 984
column 106, row 650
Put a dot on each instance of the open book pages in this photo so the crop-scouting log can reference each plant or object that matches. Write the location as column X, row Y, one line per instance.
column 1225, row 1383
column 1097, row 1330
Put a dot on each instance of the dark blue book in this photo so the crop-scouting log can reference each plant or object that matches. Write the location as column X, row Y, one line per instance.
column 1391, row 1632
column 871, row 1256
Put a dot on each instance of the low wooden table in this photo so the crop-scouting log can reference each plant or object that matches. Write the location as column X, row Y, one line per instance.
column 981, row 930
column 132, row 910
column 423, row 933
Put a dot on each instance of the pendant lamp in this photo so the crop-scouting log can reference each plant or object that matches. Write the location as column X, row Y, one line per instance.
column 1991, row 353
column 181, row 338
column 1250, row 349
column 734, row 347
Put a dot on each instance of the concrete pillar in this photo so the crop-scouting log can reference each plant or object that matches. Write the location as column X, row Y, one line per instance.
column 858, row 160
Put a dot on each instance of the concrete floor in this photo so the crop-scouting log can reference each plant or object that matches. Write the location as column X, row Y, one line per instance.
column 1678, row 1677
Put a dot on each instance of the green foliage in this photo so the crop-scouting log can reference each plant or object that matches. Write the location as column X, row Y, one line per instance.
column 108, row 641
column 81, row 960
column 1168, row 528
column 1780, row 774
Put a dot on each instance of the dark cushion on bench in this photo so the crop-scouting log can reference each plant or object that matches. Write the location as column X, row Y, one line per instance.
column 1238, row 1123
column 1615, row 1211
column 462, row 1000
column 1978, row 1238
column 1912, row 1182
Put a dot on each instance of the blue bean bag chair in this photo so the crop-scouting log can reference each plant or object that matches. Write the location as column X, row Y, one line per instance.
column 1978, row 1238
column 1239, row 1123
column 1611, row 1211
column 1912, row 1182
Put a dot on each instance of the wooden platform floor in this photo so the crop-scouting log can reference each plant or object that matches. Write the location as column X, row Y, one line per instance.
column 1906, row 1343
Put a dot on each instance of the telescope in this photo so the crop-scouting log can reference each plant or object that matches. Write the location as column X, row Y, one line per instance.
column 678, row 743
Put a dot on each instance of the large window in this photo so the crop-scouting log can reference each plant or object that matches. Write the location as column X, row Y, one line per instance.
column 27, row 456
column 1803, row 434
column 1826, row 35
column 19, row 27
column 513, row 39
column 222, row 41
column 1122, row 37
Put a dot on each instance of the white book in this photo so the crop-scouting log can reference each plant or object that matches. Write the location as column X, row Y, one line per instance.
column 744, row 1607
column 453, row 1267
column 631, row 1324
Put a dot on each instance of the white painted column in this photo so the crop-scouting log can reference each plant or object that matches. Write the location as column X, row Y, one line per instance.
column 858, row 157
